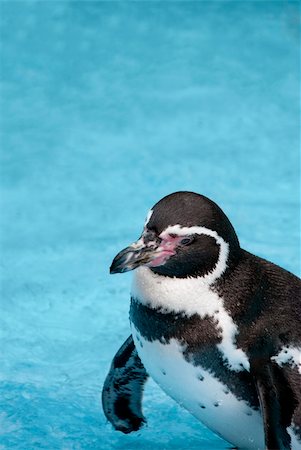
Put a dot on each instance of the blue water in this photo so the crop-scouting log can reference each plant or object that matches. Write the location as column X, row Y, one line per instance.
column 106, row 107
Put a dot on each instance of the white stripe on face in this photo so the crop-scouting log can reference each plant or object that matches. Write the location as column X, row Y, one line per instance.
column 148, row 217
column 221, row 264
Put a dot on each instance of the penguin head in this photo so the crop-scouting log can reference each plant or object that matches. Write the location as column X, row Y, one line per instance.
column 185, row 235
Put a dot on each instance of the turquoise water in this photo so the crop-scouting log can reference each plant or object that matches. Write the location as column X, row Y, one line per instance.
column 106, row 107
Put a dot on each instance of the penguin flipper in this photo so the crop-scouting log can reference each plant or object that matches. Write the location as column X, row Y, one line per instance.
column 273, row 404
column 123, row 389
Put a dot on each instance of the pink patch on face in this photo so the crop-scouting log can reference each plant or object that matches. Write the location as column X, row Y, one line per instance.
column 160, row 259
column 166, row 250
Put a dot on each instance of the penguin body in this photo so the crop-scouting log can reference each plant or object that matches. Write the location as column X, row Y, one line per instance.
column 215, row 326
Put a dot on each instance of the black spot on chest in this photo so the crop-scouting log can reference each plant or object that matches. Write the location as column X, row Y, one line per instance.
column 199, row 337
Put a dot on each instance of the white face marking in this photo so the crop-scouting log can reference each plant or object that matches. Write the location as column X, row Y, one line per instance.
column 223, row 253
column 190, row 296
column 289, row 355
column 200, row 393
column 148, row 216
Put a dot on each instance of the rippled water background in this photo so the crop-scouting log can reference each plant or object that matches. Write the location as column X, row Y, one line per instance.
column 105, row 108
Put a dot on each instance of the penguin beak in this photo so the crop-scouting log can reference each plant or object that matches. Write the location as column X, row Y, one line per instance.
column 133, row 256
column 148, row 250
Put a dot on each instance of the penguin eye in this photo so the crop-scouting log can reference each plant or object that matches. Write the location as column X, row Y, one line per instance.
column 187, row 240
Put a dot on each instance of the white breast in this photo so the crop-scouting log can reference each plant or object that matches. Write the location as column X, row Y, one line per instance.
column 190, row 296
column 200, row 393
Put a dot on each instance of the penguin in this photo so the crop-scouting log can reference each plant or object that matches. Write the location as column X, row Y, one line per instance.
column 216, row 327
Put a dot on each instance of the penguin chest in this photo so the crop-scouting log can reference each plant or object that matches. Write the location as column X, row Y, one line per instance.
column 188, row 300
column 200, row 392
column 186, row 341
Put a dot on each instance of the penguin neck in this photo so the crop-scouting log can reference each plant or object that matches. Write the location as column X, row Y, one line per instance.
column 175, row 295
